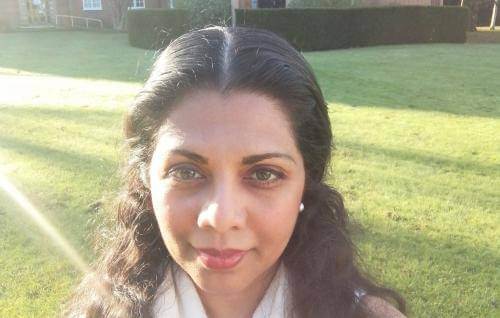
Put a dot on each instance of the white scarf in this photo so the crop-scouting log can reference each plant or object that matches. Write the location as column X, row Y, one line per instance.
column 178, row 298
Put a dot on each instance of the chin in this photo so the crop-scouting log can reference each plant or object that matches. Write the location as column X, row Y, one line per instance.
column 228, row 282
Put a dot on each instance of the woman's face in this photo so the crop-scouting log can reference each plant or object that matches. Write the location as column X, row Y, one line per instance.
column 226, row 183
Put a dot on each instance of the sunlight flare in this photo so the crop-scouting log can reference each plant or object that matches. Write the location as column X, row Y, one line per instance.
column 43, row 224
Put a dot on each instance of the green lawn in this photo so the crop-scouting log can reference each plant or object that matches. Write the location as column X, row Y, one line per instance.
column 417, row 131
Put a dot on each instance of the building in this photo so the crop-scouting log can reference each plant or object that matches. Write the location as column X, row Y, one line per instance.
column 18, row 13
column 9, row 14
column 100, row 9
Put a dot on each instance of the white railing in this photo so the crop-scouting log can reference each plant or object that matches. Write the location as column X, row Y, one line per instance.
column 74, row 18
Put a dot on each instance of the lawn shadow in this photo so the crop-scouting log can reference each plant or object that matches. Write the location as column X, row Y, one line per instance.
column 443, row 163
column 65, row 160
column 402, row 103
column 444, row 168
column 91, row 117
column 433, row 102
column 449, row 78
column 72, row 173
column 77, row 54
column 453, row 260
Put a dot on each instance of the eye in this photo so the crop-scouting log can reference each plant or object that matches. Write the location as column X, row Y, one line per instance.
column 184, row 174
column 265, row 176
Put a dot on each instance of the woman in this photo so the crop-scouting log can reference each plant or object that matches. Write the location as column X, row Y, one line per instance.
column 226, row 212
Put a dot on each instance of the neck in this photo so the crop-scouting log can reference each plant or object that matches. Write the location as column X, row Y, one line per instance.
column 241, row 304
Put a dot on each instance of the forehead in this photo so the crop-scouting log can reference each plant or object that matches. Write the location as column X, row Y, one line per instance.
column 238, row 122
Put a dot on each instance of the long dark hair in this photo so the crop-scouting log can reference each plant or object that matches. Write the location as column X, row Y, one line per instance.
column 320, row 256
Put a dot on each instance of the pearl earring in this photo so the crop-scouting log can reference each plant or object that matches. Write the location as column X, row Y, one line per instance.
column 301, row 207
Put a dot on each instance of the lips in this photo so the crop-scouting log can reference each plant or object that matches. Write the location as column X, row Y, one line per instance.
column 220, row 259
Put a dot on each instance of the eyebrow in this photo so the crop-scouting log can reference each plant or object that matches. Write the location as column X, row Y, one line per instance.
column 256, row 158
column 190, row 155
column 246, row 160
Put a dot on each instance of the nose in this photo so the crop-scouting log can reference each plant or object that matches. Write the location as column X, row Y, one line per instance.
column 225, row 210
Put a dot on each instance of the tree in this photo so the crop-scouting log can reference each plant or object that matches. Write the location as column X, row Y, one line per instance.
column 206, row 12
column 118, row 9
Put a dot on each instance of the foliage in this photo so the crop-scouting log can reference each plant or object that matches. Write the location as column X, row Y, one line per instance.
column 118, row 9
column 206, row 12
column 155, row 28
column 323, row 29
column 321, row 3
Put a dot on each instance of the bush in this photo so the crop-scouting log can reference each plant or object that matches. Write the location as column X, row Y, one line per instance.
column 155, row 28
column 320, row 4
column 395, row 25
column 324, row 29
column 206, row 12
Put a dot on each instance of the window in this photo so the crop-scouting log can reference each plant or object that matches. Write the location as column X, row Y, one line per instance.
column 137, row 4
column 92, row 5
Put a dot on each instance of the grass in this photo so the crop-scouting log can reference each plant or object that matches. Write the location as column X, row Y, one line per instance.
column 417, row 159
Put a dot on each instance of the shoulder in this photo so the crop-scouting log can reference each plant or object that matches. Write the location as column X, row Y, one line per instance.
column 380, row 308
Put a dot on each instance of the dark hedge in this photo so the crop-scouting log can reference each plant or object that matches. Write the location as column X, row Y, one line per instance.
column 318, row 29
column 155, row 28
column 325, row 29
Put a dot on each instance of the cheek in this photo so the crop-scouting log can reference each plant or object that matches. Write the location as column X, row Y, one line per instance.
column 278, row 215
column 176, row 217
column 171, row 208
column 275, row 224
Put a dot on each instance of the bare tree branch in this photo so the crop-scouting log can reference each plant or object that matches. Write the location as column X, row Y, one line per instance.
column 119, row 10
